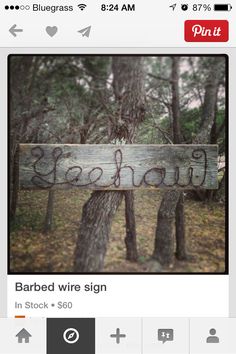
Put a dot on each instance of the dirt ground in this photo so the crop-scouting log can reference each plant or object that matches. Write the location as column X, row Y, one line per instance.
column 32, row 251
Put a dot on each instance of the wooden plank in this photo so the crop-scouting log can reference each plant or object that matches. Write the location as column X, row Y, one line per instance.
column 118, row 167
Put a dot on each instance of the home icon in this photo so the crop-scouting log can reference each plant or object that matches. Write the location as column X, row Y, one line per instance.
column 23, row 336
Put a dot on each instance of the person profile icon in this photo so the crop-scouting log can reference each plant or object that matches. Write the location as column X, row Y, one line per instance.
column 213, row 338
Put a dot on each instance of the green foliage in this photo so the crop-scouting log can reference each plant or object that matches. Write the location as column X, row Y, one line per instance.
column 190, row 123
column 80, row 90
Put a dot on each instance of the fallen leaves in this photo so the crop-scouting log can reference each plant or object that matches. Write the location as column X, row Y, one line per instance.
column 32, row 251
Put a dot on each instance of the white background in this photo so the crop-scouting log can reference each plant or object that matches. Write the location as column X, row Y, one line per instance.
column 153, row 24
column 137, row 295
column 128, row 296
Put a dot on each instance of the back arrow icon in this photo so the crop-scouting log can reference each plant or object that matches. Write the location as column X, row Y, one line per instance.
column 13, row 30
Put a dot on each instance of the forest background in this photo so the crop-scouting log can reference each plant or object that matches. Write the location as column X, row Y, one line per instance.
column 117, row 99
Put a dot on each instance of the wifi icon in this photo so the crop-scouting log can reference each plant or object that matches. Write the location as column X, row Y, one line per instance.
column 82, row 7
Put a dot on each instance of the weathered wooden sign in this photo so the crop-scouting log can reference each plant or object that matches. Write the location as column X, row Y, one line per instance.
column 117, row 167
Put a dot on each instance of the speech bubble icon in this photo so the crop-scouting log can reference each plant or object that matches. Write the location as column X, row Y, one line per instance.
column 165, row 335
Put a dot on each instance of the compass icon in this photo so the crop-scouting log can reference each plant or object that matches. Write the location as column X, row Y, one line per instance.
column 71, row 335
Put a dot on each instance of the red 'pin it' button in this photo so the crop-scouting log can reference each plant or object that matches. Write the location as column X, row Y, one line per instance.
column 206, row 31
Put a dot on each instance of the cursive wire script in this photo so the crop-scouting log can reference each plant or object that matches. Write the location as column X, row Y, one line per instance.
column 72, row 175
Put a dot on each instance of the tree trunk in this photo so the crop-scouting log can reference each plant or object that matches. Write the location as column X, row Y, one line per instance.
column 210, row 99
column 181, row 253
column 209, row 109
column 173, row 202
column 164, row 234
column 49, row 213
column 130, row 239
column 179, row 213
column 175, row 100
column 94, row 230
column 99, row 210
column 129, row 93
column 220, row 193
column 14, row 181
column 165, row 230
column 180, row 229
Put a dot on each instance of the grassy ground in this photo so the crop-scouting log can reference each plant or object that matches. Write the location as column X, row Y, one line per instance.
column 32, row 251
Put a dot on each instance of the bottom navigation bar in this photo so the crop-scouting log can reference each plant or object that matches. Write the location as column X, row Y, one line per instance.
column 118, row 336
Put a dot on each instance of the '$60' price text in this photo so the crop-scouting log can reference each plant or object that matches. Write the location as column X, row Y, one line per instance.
column 64, row 305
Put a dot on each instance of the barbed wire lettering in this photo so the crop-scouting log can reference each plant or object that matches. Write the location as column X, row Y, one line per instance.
column 73, row 175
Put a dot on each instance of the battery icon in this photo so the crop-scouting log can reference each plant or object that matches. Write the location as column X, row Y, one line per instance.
column 222, row 7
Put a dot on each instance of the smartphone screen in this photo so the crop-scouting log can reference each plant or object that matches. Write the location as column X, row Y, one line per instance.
column 117, row 196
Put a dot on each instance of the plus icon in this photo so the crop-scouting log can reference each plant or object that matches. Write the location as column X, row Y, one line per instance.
column 118, row 335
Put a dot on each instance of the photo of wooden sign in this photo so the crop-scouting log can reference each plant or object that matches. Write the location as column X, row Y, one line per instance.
column 117, row 167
